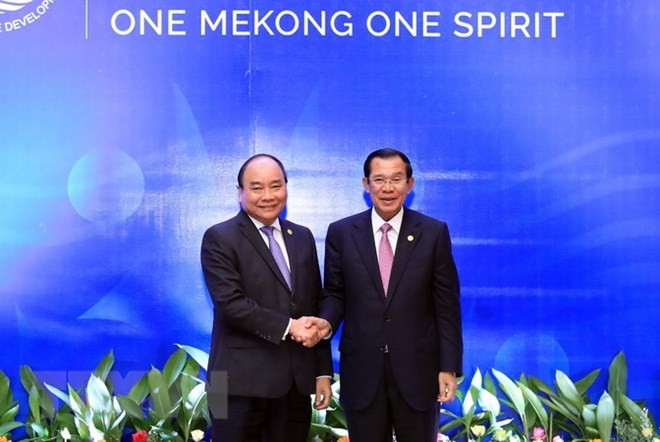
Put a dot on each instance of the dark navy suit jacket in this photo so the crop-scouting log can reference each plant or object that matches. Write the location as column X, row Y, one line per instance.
column 252, row 306
column 418, row 323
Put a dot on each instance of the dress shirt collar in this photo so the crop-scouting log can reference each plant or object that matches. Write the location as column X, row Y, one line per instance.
column 258, row 224
column 377, row 222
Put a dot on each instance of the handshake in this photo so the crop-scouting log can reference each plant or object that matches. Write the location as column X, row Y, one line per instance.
column 309, row 330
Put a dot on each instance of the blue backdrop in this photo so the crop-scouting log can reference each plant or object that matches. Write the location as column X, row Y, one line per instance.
column 533, row 127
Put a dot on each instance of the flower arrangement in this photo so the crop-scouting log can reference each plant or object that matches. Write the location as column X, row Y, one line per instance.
column 171, row 405
column 500, row 409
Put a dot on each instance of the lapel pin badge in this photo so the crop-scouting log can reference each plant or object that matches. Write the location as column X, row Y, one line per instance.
column 289, row 231
column 410, row 238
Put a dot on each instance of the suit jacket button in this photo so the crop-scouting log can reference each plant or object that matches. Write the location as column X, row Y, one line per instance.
column 386, row 318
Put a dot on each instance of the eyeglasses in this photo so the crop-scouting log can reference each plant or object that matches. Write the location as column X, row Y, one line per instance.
column 396, row 181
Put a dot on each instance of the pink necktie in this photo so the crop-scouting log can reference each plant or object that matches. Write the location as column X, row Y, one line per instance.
column 385, row 256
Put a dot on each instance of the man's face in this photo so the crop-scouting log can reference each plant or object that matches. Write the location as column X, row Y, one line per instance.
column 263, row 192
column 387, row 185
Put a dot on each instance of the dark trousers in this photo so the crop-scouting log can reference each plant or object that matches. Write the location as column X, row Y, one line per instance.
column 250, row 419
column 389, row 412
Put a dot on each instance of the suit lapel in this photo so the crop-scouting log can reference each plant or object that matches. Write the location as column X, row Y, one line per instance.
column 409, row 237
column 363, row 236
column 253, row 235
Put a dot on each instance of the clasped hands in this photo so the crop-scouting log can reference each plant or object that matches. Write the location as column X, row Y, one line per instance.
column 309, row 330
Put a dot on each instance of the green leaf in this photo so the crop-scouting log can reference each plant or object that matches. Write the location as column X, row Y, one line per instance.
column 173, row 367
column 38, row 430
column 192, row 368
column 568, row 391
column 160, row 397
column 633, row 410
column 103, row 369
column 536, row 404
column 469, row 403
column 34, row 404
column 456, row 423
column 131, row 407
column 488, row 402
column 118, row 422
column 489, row 384
column 28, row 378
column 9, row 414
column 605, row 417
column 186, row 384
column 191, row 407
column 65, row 420
column 196, row 395
column 565, row 409
column 586, row 382
column 512, row 391
column 139, row 392
column 618, row 380
column 46, row 403
column 537, row 384
column 59, row 394
column 98, row 396
column 9, row 426
column 198, row 355
column 76, row 403
column 5, row 389
column 589, row 415
column 591, row 432
column 476, row 379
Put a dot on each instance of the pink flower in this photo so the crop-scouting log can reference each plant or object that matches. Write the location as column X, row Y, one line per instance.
column 539, row 433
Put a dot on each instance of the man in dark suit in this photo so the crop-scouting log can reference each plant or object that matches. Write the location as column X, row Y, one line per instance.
column 263, row 282
column 398, row 295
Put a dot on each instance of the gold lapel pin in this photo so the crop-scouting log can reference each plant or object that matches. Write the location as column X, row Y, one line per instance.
column 410, row 238
column 289, row 231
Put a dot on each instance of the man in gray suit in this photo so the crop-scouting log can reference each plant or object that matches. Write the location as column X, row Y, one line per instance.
column 263, row 277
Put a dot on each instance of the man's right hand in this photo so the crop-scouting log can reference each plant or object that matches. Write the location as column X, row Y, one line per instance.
column 309, row 330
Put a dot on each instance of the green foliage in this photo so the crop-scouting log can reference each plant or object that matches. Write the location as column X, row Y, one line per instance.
column 170, row 404
column 43, row 421
column 564, row 408
column 480, row 406
column 99, row 416
column 8, row 407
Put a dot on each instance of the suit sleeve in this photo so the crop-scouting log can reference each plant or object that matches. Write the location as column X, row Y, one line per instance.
column 332, row 300
column 447, row 306
column 223, row 280
column 323, row 349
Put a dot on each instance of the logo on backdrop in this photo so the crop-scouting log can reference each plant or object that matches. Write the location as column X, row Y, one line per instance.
column 18, row 14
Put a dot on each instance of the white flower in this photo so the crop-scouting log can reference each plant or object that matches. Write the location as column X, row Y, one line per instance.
column 197, row 435
column 647, row 432
column 65, row 433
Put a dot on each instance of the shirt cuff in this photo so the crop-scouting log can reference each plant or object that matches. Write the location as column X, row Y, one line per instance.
column 286, row 332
